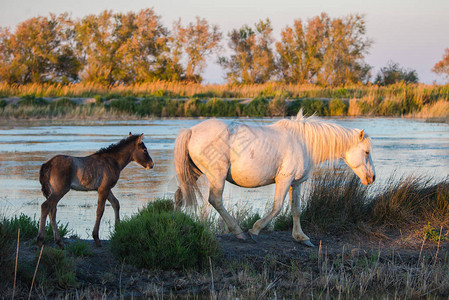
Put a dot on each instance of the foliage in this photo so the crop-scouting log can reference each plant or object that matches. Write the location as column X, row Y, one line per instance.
column 442, row 67
column 258, row 107
column 252, row 58
column 55, row 270
column 79, row 248
column 313, row 106
column 6, row 250
column 199, row 40
column 249, row 221
column 431, row 234
column 283, row 221
column 409, row 200
column 325, row 51
column 156, row 238
column 393, row 73
column 337, row 107
column 335, row 201
column 31, row 100
column 29, row 227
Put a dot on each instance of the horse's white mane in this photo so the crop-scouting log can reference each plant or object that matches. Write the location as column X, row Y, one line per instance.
column 324, row 140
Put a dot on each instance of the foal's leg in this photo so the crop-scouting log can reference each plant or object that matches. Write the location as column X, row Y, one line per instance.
column 47, row 208
column 54, row 226
column 102, row 195
column 116, row 206
column 295, row 199
column 282, row 187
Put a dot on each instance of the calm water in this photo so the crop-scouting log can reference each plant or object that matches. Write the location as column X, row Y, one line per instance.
column 401, row 145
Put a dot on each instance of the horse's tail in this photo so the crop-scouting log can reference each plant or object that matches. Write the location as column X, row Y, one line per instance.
column 44, row 178
column 186, row 170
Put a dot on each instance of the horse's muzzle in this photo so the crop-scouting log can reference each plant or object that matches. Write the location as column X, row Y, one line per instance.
column 150, row 166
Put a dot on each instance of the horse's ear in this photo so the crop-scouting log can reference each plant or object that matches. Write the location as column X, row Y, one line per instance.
column 139, row 139
column 361, row 135
column 130, row 134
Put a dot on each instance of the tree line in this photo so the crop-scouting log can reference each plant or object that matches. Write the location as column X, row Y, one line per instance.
column 135, row 47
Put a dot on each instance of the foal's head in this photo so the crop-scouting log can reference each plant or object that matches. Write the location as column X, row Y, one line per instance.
column 140, row 154
column 358, row 157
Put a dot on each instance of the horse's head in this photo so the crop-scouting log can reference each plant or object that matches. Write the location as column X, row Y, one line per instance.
column 140, row 154
column 358, row 157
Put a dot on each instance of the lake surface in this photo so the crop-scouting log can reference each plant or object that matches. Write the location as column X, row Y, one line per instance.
column 403, row 146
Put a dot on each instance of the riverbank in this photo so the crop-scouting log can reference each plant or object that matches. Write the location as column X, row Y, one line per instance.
column 162, row 99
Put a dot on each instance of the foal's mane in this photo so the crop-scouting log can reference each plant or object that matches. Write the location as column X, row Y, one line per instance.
column 324, row 140
column 118, row 146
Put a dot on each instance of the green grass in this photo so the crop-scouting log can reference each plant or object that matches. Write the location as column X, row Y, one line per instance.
column 79, row 248
column 158, row 238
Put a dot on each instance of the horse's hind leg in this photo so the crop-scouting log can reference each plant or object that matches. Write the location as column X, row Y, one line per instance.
column 102, row 195
column 116, row 206
column 216, row 199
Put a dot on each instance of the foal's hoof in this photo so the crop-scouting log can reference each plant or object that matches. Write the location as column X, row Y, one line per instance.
column 308, row 243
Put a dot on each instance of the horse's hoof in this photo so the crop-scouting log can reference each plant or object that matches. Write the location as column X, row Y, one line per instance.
column 252, row 236
column 243, row 238
column 308, row 243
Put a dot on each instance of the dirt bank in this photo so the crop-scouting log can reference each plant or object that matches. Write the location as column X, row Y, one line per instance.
column 275, row 265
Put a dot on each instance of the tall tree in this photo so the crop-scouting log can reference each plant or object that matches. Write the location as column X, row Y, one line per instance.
column 326, row 51
column 442, row 67
column 124, row 48
column 40, row 50
column 252, row 60
column 198, row 41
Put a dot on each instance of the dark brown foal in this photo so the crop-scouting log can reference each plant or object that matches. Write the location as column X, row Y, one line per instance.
column 97, row 172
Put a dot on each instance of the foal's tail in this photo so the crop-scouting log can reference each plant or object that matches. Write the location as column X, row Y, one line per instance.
column 44, row 178
column 186, row 170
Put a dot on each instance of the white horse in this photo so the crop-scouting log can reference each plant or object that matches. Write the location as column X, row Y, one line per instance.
column 252, row 156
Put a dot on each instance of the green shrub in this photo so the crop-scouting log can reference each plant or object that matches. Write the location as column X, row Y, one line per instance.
column 313, row 106
column 6, row 252
column 79, row 248
column 258, row 107
column 29, row 227
column 155, row 238
column 31, row 100
column 3, row 103
column 55, row 270
column 337, row 107
column 63, row 102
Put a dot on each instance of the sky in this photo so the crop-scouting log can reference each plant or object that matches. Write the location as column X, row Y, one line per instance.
column 413, row 33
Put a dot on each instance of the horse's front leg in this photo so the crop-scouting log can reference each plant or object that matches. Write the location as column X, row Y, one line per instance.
column 116, row 206
column 282, row 186
column 295, row 200
column 102, row 195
